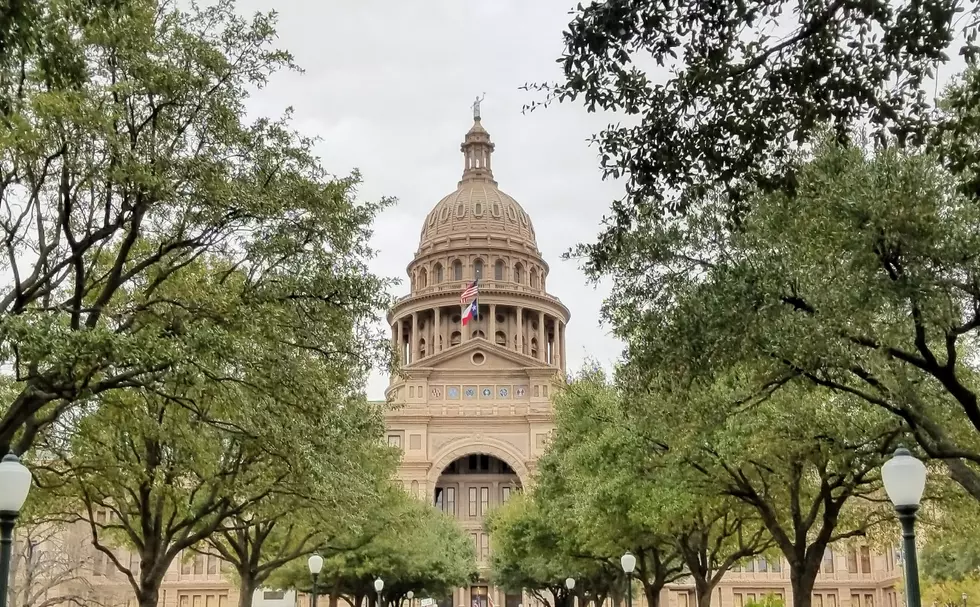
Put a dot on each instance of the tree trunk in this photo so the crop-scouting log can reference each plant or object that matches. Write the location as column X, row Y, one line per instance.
column 802, row 578
column 703, row 589
column 652, row 593
column 246, row 589
column 149, row 592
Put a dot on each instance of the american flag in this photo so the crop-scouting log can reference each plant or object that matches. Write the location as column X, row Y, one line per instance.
column 469, row 293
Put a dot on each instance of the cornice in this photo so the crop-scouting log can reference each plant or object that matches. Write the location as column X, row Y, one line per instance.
column 525, row 363
column 466, row 421
column 411, row 303
column 415, row 418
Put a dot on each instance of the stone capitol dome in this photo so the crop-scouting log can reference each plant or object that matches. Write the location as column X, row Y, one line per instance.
column 478, row 207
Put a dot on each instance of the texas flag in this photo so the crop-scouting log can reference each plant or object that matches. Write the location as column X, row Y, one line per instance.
column 470, row 313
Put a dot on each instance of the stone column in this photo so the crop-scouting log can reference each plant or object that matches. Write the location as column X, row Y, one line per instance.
column 430, row 339
column 562, row 349
column 399, row 348
column 556, row 356
column 415, row 336
column 519, row 342
column 542, row 349
column 437, row 329
column 493, row 324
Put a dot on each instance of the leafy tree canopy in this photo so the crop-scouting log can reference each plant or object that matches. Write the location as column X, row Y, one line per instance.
column 125, row 157
column 860, row 282
column 719, row 95
column 214, row 438
column 531, row 551
column 407, row 543
column 628, row 492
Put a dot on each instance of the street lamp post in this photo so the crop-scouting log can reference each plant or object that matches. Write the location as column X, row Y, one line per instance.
column 904, row 478
column 628, row 561
column 570, row 585
column 379, row 585
column 15, row 483
column 963, row 597
column 315, row 563
column 410, row 596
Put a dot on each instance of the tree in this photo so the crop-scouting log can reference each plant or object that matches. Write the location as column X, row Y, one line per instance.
column 622, row 479
column 861, row 282
column 805, row 460
column 601, row 524
column 720, row 95
column 150, row 474
column 162, row 470
column 262, row 540
column 407, row 543
column 126, row 157
column 767, row 600
column 526, row 552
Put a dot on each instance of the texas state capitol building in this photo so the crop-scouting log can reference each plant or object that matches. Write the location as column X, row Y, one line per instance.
column 472, row 405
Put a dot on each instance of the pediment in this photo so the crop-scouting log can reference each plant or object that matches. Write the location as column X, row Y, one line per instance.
column 478, row 354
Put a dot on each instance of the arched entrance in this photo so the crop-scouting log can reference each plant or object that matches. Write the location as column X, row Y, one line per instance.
column 468, row 488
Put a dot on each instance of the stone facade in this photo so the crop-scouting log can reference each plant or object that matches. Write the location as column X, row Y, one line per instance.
column 473, row 409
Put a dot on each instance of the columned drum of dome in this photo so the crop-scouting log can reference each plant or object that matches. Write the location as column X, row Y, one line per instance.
column 473, row 412
column 479, row 233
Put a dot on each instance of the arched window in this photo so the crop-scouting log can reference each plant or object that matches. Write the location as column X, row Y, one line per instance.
column 454, row 338
column 518, row 273
column 534, row 347
column 478, row 269
column 478, row 334
column 534, row 278
column 498, row 270
column 437, row 273
column 501, row 339
column 457, row 270
column 422, row 348
column 423, row 278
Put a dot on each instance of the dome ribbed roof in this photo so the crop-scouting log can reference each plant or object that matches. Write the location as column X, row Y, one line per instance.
column 478, row 207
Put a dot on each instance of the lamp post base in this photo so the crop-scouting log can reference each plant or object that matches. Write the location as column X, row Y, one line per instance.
column 7, row 520
column 906, row 516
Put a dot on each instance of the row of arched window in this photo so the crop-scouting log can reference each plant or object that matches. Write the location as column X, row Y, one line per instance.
column 534, row 277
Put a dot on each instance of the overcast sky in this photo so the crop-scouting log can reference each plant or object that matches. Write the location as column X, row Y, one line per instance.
column 388, row 87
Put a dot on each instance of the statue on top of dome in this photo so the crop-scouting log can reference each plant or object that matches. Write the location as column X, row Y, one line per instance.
column 476, row 106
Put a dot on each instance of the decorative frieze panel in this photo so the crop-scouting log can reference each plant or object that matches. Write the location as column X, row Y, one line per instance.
column 479, row 392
